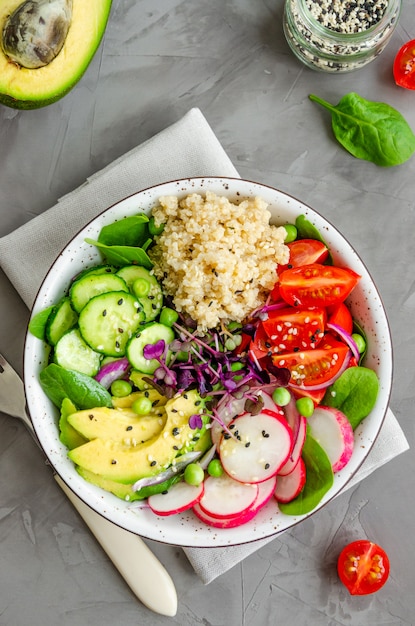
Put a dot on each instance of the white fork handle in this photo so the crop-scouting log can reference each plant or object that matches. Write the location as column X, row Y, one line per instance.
column 143, row 572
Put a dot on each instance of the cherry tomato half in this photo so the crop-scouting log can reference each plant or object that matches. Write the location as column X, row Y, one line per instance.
column 305, row 252
column 404, row 66
column 295, row 328
column 363, row 567
column 341, row 316
column 317, row 285
column 310, row 368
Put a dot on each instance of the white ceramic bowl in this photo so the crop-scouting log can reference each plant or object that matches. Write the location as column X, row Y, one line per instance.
column 185, row 529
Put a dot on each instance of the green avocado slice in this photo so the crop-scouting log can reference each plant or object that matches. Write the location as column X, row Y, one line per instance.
column 23, row 88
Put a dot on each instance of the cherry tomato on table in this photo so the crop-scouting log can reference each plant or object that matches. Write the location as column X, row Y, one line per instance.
column 363, row 567
column 404, row 66
column 317, row 285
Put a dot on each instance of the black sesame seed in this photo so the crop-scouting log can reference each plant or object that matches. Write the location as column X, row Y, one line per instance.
column 175, row 431
column 248, row 443
column 120, row 301
column 129, row 428
column 113, row 462
column 266, row 465
column 153, row 463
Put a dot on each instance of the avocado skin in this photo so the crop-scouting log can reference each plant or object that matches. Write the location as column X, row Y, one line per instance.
column 27, row 102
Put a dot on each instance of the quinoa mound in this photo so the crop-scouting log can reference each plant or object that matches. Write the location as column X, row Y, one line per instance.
column 216, row 259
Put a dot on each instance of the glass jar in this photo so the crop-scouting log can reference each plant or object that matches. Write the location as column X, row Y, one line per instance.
column 316, row 31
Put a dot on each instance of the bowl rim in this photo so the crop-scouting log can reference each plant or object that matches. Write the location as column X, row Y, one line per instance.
column 222, row 537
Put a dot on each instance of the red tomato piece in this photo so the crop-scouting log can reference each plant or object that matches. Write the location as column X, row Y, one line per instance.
column 404, row 66
column 341, row 316
column 260, row 346
column 243, row 346
column 363, row 567
column 315, row 367
column 305, row 252
column 317, row 285
column 295, row 328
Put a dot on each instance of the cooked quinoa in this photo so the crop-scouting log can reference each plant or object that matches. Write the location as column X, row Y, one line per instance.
column 216, row 259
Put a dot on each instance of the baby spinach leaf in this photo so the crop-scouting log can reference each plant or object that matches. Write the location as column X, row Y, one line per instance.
column 124, row 255
column 354, row 393
column 369, row 130
column 59, row 383
column 319, row 479
column 37, row 324
column 130, row 231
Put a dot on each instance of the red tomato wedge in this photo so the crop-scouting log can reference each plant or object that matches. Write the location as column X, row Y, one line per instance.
column 363, row 567
column 316, row 368
column 404, row 66
column 305, row 252
column 341, row 316
column 295, row 328
column 317, row 285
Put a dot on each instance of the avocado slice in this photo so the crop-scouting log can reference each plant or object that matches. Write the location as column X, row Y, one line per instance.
column 125, row 464
column 23, row 88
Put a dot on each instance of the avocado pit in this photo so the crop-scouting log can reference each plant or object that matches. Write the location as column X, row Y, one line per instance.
column 34, row 34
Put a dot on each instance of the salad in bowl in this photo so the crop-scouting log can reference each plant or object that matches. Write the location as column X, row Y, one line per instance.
column 208, row 362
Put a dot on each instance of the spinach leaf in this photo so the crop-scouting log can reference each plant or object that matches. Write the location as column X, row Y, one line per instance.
column 59, row 383
column 37, row 324
column 124, row 255
column 130, row 231
column 369, row 130
column 354, row 393
column 319, row 479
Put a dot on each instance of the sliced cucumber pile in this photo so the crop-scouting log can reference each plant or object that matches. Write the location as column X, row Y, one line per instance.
column 108, row 313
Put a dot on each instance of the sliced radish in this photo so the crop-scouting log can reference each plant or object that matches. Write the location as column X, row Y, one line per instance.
column 224, row 522
column 259, row 446
column 289, row 486
column 295, row 454
column 224, row 497
column 266, row 490
column 180, row 497
column 333, row 431
column 226, row 411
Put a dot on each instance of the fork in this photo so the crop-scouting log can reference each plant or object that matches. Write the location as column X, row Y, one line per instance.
column 140, row 568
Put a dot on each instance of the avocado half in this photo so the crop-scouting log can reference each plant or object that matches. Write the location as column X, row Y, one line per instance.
column 22, row 88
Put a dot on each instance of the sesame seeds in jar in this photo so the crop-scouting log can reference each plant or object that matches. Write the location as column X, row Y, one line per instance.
column 339, row 35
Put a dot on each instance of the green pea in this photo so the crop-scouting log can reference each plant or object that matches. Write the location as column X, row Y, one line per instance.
column 142, row 406
column 121, row 388
column 215, row 468
column 141, row 287
column 153, row 229
column 234, row 326
column 305, row 406
column 281, row 396
column 360, row 342
column 291, row 233
column 194, row 474
column 235, row 367
column 230, row 344
column 168, row 317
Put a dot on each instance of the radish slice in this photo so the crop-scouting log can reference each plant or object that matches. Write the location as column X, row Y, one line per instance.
column 260, row 445
column 180, row 497
column 333, row 431
column 288, row 467
column 227, row 411
column 289, row 486
column 265, row 492
column 224, row 497
column 224, row 522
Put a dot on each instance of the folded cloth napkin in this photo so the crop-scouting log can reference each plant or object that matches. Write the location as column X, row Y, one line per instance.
column 187, row 148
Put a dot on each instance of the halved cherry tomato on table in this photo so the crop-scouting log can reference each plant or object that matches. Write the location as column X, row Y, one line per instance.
column 317, row 285
column 318, row 367
column 340, row 315
column 404, row 66
column 305, row 252
column 363, row 567
column 292, row 328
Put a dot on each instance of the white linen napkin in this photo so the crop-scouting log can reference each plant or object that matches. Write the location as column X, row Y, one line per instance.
column 185, row 149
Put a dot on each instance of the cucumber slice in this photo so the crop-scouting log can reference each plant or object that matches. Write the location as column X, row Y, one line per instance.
column 92, row 285
column 109, row 320
column 97, row 269
column 153, row 301
column 61, row 319
column 72, row 353
column 152, row 333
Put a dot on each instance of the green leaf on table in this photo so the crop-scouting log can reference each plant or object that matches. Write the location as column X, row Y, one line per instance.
column 369, row 130
column 354, row 393
column 319, row 479
column 85, row 392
